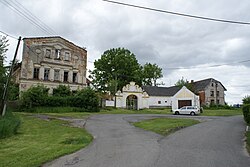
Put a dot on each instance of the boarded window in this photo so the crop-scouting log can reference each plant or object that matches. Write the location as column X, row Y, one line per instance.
column 67, row 56
column 36, row 73
column 57, row 75
column 48, row 53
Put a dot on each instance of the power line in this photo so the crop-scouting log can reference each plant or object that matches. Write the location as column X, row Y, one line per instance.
column 8, row 35
column 25, row 16
column 211, row 66
column 179, row 14
column 34, row 17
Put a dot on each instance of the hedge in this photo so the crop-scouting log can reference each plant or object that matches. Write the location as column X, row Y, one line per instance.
column 246, row 112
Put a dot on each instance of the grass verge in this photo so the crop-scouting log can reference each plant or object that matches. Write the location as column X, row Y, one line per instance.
column 9, row 124
column 221, row 112
column 248, row 141
column 39, row 141
column 164, row 126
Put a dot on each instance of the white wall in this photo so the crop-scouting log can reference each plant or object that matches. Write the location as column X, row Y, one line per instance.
column 110, row 103
column 164, row 101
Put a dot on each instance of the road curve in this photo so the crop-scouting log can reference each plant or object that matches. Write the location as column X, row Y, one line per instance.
column 216, row 142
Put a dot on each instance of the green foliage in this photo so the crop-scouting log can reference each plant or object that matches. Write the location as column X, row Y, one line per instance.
column 37, row 96
column 86, row 99
column 246, row 100
column 150, row 73
column 34, row 96
column 62, row 91
column 246, row 113
column 116, row 68
column 9, row 124
column 13, row 93
column 3, row 49
column 181, row 82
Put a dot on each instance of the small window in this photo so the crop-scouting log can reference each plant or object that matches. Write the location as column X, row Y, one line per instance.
column 212, row 93
column 67, row 56
column 46, row 74
column 65, row 76
column 57, row 75
column 74, row 77
column 36, row 73
column 58, row 54
column 166, row 101
column 218, row 101
column 212, row 102
column 48, row 53
column 212, row 84
column 159, row 102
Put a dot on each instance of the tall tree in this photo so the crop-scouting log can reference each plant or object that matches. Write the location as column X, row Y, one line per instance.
column 116, row 68
column 3, row 49
column 151, row 72
column 182, row 82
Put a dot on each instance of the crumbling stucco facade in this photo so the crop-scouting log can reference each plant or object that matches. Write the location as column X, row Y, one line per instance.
column 52, row 61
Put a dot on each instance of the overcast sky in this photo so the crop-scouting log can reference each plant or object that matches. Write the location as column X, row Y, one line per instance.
column 181, row 46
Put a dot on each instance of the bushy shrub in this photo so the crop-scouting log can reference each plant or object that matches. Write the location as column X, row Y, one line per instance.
column 219, row 106
column 9, row 125
column 246, row 100
column 246, row 113
column 62, row 91
column 34, row 96
column 86, row 99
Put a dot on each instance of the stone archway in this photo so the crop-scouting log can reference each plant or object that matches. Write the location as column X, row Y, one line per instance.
column 132, row 102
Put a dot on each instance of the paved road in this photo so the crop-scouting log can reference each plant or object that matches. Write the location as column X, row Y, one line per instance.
column 216, row 142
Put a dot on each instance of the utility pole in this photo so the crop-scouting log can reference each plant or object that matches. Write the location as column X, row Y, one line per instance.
column 3, row 103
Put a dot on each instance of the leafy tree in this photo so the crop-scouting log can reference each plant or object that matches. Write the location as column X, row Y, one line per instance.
column 61, row 90
column 246, row 100
column 3, row 49
column 116, row 68
column 34, row 96
column 181, row 82
column 151, row 72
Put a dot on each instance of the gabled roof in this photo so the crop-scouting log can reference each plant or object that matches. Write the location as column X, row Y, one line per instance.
column 202, row 84
column 161, row 91
column 58, row 37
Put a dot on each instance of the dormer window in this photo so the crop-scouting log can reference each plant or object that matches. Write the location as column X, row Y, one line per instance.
column 58, row 54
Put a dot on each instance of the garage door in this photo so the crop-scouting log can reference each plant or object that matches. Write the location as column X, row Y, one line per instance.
column 182, row 103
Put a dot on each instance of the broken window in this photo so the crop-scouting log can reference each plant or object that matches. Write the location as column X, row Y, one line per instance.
column 36, row 73
column 46, row 74
column 48, row 53
column 57, row 75
column 58, row 54
column 159, row 102
column 74, row 77
column 212, row 93
column 65, row 76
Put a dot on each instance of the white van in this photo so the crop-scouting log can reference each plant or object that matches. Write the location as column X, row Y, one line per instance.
column 192, row 110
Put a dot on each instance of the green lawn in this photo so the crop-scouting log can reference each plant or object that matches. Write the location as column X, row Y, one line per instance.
column 221, row 112
column 164, row 126
column 40, row 141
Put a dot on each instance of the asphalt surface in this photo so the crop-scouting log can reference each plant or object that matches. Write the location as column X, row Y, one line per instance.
column 216, row 142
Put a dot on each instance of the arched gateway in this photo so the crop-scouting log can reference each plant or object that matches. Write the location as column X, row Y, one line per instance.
column 132, row 102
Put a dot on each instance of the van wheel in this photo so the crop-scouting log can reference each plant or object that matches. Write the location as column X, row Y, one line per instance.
column 176, row 113
column 192, row 113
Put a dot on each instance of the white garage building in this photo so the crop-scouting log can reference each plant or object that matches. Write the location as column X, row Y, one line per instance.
column 135, row 97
